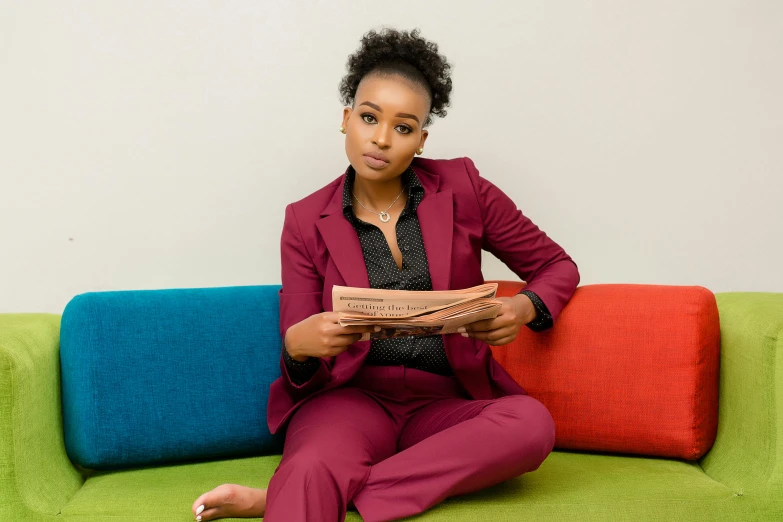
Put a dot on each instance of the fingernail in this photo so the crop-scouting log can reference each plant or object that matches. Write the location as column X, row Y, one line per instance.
column 200, row 509
column 198, row 518
column 377, row 328
column 465, row 335
column 461, row 329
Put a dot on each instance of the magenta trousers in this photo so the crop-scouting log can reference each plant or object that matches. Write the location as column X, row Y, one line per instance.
column 396, row 441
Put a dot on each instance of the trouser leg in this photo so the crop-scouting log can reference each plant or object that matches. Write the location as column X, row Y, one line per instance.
column 456, row 446
column 331, row 442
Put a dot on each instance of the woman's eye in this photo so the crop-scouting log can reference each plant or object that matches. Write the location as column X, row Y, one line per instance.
column 369, row 118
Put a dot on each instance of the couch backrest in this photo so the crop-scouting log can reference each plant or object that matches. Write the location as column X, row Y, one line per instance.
column 159, row 376
column 626, row 368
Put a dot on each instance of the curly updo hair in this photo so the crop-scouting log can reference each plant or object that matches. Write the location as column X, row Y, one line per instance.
column 391, row 52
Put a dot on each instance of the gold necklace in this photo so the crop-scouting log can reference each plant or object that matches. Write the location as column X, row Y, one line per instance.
column 385, row 217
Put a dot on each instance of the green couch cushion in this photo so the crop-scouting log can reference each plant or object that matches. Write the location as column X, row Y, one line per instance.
column 568, row 486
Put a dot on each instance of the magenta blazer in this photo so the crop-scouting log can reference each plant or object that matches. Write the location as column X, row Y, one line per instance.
column 461, row 214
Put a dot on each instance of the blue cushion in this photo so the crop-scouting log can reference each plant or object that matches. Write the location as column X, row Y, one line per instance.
column 157, row 376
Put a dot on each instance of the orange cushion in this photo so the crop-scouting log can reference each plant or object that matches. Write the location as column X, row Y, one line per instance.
column 626, row 368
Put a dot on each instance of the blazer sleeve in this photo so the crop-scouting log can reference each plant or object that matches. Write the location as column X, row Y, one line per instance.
column 510, row 236
column 300, row 297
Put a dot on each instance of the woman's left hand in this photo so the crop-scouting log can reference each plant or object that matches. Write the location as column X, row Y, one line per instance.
column 516, row 312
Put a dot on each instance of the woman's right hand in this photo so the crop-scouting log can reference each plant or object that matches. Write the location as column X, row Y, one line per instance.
column 321, row 335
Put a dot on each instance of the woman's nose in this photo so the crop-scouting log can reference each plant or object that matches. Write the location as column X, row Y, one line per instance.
column 381, row 137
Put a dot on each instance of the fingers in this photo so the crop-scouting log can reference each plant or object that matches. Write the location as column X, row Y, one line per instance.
column 483, row 326
column 330, row 325
column 335, row 344
column 492, row 332
column 333, row 319
column 360, row 329
column 495, row 336
column 488, row 325
column 346, row 340
column 497, row 340
column 350, row 334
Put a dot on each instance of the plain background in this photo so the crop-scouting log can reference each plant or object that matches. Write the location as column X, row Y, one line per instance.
column 155, row 144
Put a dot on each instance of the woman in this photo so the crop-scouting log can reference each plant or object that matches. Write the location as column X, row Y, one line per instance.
column 394, row 426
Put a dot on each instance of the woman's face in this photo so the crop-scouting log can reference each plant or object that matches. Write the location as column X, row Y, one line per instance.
column 384, row 129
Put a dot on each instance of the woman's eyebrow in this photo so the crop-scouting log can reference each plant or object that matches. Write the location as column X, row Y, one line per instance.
column 400, row 114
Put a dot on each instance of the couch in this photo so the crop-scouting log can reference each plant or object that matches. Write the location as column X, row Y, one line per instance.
column 131, row 404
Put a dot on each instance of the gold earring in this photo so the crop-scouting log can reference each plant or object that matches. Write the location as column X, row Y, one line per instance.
column 420, row 151
column 342, row 129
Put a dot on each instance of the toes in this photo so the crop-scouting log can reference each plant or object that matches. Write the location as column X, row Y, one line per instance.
column 202, row 503
column 209, row 514
column 220, row 495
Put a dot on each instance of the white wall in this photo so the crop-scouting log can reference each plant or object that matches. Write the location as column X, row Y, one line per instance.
column 155, row 144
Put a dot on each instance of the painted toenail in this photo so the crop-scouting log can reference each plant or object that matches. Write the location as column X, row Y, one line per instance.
column 198, row 518
column 200, row 509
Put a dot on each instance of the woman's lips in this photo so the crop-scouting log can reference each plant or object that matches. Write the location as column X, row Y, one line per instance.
column 374, row 163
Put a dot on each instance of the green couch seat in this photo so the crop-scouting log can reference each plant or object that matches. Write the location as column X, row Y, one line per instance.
column 569, row 485
column 131, row 494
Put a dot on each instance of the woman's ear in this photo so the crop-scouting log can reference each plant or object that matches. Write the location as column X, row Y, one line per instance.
column 346, row 115
column 424, row 135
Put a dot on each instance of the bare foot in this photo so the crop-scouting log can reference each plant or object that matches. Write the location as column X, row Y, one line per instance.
column 230, row 500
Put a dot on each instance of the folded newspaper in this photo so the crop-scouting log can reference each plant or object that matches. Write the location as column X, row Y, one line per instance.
column 404, row 313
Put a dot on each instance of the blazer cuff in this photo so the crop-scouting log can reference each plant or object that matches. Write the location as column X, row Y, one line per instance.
column 543, row 320
column 300, row 371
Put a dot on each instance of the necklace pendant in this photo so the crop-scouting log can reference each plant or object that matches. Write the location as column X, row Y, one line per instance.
column 385, row 217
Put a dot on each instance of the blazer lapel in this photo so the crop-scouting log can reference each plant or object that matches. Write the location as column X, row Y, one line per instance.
column 436, row 220
column 344, row 248
column 342, row 242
